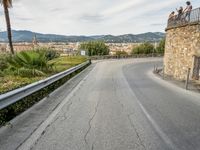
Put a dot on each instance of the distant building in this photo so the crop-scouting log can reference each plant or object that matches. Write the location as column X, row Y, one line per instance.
column 127, row 47
column 24, row 45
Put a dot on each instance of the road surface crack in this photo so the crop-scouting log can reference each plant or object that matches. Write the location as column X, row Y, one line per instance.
column 90, row 126
column 129, row 116
column 42, row 134
column 137, row 133
column 66, row 111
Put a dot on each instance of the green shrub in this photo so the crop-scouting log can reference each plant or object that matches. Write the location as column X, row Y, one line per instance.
column 49, row 53
column 1, row 73
column 3, row 62
column 144, row 48
column 95, row 48
column 121, row 53
column 161, row 47
column 29, row 63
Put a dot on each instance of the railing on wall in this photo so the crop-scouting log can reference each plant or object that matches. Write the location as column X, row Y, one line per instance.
column 185, row 18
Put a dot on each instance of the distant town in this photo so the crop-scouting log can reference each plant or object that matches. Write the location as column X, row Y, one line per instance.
column 65, row 48
column 69, row 45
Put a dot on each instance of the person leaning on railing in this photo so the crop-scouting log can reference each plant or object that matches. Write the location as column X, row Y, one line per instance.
column 172, row 16
column 187, row 11
column 180, row 14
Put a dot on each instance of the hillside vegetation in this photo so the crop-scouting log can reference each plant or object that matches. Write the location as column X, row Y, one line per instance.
column 27, row 36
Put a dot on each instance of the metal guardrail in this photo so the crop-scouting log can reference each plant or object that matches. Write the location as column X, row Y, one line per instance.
column 185, row 18
column 14, row 96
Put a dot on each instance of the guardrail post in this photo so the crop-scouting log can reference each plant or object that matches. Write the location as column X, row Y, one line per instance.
column 90, row 61
column 187, row 79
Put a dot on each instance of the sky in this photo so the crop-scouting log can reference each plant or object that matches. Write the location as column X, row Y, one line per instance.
column 91, row 17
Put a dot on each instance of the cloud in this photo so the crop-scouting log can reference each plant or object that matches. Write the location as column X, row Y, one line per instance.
column 78, row 17
column 123, row 7
column 94, row 18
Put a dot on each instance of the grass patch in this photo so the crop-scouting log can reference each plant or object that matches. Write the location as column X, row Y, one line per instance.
column 63, row 63
column 9, row 83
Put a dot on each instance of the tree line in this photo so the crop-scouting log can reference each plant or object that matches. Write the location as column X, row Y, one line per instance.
column 99, row 48
column 93, row 48
column 149, row 48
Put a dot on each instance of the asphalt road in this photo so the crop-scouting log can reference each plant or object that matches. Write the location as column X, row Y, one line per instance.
column 121, row 105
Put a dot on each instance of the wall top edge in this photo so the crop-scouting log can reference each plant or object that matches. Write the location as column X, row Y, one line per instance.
column 181, row 26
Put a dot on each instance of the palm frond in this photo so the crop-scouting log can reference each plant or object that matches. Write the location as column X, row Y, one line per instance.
column 7, row 3
column 28, row 63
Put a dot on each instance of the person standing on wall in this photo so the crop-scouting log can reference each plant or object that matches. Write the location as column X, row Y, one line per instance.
column 187, row 11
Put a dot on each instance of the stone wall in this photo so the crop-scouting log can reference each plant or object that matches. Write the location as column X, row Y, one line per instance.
column 182, row 43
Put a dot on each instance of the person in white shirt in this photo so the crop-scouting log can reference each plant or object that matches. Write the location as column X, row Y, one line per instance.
column 172, row 15
column 187, row 11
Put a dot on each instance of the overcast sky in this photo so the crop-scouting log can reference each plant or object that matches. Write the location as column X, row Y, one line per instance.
column 91, row 17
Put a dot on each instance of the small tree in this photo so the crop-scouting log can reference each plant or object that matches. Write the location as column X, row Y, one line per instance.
column 144, row 48
column 95, row 48
column 161, row 47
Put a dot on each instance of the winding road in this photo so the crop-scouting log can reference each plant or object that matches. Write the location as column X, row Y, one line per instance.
column 121, row 105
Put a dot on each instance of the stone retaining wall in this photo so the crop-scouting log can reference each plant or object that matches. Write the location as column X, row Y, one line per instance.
column 182, row 43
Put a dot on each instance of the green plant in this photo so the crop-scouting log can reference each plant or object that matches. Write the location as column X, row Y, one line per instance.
column 3, row 62
column 1, row 74
column 9, row 78
column 144, row 48
column 121, row 53
column 49, row 53
column 161, row 47
column 95, row 48
column 29, row 63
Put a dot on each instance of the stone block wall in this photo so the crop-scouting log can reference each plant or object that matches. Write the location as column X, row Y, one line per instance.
column 182, row 43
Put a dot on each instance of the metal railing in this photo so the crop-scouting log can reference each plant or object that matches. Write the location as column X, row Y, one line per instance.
column 184, row 18
column 14, row 96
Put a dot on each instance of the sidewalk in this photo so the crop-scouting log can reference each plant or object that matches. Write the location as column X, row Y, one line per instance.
column 192, row 86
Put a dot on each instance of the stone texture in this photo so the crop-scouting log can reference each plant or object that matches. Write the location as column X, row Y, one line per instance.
column 182, row 43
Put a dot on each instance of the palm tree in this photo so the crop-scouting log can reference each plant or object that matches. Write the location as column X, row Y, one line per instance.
column 8, row 4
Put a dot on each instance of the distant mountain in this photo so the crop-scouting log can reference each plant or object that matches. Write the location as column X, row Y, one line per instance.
column 27, row 36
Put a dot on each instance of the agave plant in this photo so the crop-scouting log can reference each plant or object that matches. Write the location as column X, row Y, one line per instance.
column 3, row 62
column 29, row 63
